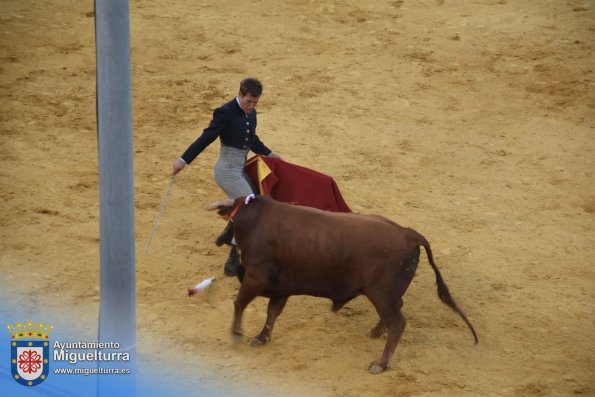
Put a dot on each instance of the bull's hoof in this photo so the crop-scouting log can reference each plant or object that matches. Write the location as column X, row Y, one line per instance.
column 256, row 342
column 376, row 368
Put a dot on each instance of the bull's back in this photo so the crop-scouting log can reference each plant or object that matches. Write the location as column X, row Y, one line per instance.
column 313, row 252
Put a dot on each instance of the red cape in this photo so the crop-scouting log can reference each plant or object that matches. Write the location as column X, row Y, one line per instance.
column 291, row 183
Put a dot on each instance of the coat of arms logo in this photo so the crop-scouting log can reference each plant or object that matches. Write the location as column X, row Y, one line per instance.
column 29, row 352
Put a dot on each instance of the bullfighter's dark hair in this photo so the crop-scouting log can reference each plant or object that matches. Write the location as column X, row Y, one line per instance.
column 251, row 86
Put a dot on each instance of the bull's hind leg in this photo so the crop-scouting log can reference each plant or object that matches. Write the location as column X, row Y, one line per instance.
column 380, row 328
column 275, row 307
column 395, row 325
column 387, row 298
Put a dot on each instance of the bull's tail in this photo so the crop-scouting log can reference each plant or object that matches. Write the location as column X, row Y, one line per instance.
column 443, row 292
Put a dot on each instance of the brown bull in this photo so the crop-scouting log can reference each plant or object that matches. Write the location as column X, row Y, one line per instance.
column 291, row 250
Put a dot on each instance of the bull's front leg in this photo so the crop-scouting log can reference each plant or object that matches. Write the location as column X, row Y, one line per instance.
column 249, row 289
column 236, row 328
column 275, row 307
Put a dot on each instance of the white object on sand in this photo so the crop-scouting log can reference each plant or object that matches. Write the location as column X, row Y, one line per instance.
column 201, row 286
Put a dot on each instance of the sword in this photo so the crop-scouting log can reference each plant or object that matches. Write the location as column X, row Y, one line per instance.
column 171, row 184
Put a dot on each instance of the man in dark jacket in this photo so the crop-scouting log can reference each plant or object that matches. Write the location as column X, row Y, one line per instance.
column 235, row 125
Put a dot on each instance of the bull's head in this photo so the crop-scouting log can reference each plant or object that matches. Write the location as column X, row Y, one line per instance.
column 223, row 207
column 227, row 209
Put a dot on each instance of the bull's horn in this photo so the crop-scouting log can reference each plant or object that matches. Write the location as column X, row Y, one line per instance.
column 217, row 204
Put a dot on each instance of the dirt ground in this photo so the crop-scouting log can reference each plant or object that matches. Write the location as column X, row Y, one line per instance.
column 470, row 121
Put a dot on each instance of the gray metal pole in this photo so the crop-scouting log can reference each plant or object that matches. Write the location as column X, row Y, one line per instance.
column 117, row 313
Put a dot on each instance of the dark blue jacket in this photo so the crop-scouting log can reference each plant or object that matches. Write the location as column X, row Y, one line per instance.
column 233, row 127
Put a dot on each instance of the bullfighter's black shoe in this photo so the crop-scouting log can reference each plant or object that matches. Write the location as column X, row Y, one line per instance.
column 233, row 263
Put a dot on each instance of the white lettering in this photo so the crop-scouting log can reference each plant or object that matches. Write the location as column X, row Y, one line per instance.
column 59, row 355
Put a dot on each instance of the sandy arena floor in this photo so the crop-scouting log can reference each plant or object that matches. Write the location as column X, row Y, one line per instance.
column 470, row 121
